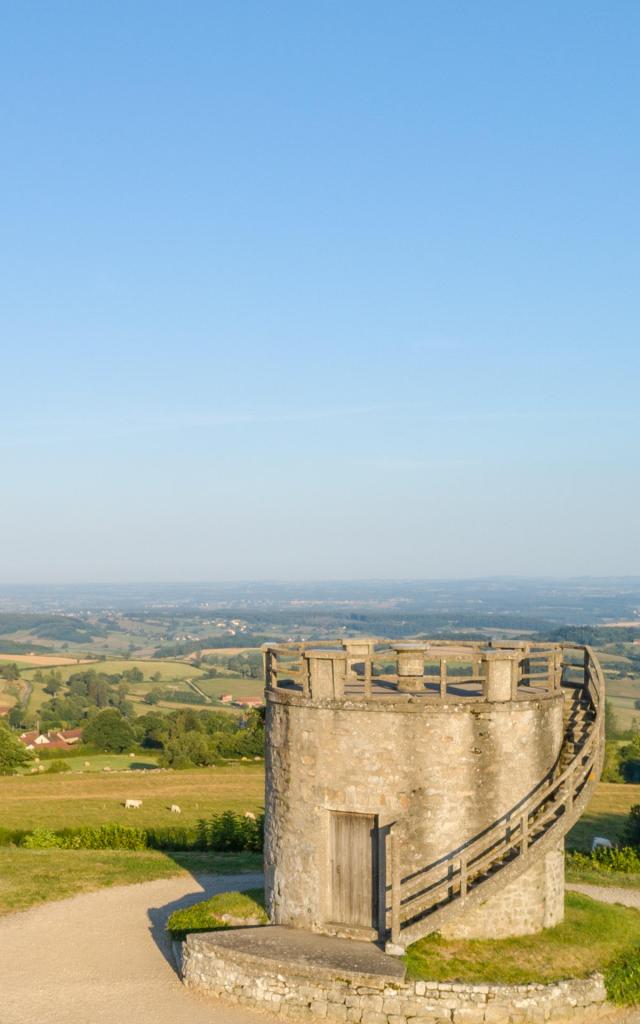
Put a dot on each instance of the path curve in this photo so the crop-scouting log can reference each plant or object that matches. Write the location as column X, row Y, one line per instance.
column 103, row 957
column 608, row 893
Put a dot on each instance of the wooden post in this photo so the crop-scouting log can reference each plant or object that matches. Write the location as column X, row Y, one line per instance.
column 368, row 666
column 524, row 834
column 463, row 877
column 396, row 881
column 443, row 678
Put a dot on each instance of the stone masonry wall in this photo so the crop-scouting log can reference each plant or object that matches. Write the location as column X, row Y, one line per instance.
column 440, row 773
column 312, row 994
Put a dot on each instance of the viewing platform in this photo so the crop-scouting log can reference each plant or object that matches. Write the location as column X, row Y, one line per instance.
column 369, row 670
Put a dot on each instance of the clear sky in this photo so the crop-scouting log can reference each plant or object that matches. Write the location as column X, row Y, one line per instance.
column 319, row 290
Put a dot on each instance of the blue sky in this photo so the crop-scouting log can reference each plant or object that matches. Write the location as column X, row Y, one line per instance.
column 321, row 290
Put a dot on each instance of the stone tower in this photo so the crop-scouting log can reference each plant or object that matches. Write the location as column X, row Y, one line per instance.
column 419, row 787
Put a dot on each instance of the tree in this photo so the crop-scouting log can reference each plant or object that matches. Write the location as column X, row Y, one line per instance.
column 610, row 721
column 153, row 696
column 53, row 683
column 12, row 753
column 109, row 731
column 10, row 672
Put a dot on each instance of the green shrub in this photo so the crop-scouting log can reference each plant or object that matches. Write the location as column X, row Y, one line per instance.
column 41, row 839
column 622, row 979
column 105, row 837
column 232, row 832
column 619, row 858
column 631, row 833
column 57, row 766
column 176, row 837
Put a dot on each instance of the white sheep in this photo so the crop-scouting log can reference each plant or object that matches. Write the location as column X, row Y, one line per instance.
column 132, row 805
column 175, row 809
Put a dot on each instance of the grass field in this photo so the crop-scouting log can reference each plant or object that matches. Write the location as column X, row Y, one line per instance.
column 74, row 799
column 591, row 935
column 232, row 684
column 29, row 877
column 605, row 815
column 98, row 762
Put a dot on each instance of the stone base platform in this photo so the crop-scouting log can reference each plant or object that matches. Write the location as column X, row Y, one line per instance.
column 304, row 976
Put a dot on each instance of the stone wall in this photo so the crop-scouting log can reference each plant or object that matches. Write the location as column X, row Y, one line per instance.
column 440, row 773
column 311, row 993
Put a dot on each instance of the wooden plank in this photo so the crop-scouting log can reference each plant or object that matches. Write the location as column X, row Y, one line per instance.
column 353, row 856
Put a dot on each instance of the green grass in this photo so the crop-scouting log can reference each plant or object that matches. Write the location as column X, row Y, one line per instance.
column 30, row 877
column 72, row 799
column 589, row 939
column 591, row 876
column 98, row 762
column 605, row 815
column 207, row 915
column 232, row 684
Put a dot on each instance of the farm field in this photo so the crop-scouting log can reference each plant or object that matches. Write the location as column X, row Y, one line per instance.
column 42, row 660
column 98, row 762
column 605, row 815
column 168, row 670
column 58, row 801
column 232, row 684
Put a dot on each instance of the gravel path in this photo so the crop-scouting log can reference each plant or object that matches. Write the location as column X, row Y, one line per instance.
column 608, row 893
column 103, row 957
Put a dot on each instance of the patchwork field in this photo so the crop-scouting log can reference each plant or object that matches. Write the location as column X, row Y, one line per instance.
column 64, row 800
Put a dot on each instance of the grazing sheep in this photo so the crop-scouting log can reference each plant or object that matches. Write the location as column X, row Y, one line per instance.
column 132, row 805
column 87, row 764
column 601, row 843
column 175, row 809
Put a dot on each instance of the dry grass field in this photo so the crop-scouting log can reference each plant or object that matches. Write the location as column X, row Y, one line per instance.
column 74, row 799
column 42, row 660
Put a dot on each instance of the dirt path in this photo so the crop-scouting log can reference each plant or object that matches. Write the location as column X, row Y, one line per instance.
column 608, row 894
column 103, row 957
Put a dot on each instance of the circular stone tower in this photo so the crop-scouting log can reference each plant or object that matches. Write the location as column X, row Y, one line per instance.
column 424, row 787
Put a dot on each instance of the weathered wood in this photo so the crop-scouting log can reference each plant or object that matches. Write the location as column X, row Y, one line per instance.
column 353, row 858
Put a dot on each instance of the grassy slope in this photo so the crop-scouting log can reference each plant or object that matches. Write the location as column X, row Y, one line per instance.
column 207, row 915
column 29, row 877
column 88, row 799
column 591, row 935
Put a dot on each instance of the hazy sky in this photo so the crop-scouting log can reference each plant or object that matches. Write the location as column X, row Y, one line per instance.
column 319, row 289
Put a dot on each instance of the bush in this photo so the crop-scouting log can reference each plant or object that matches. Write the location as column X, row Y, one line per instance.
column 632, row 827
column 105, row 837
column 226, row 832
column 42, row 839
column 232, row 832
column 177, row 837
column 625, row 859
column 622, row 979
column 57, row 766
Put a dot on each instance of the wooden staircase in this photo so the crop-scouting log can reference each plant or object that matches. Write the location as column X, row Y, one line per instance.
column 423, row 901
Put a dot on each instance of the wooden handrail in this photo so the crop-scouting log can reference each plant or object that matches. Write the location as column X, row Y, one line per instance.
column 548, row 810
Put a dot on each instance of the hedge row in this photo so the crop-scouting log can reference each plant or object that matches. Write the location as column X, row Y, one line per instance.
column 223, row 832
column 619, row 858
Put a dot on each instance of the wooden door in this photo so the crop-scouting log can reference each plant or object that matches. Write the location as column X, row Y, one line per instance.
column 353, row 869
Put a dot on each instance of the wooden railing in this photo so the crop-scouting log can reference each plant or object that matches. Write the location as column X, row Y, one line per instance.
column 418, row 903
column 435, row 670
